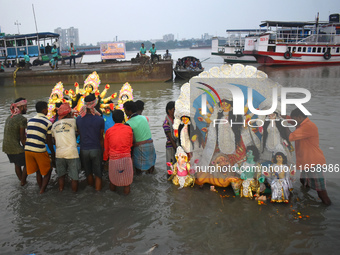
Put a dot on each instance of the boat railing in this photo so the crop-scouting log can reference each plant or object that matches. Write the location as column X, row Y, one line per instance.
column 302, row 38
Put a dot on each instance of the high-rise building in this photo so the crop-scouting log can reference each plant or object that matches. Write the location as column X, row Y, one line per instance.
column 168, row 37
column 67, row 36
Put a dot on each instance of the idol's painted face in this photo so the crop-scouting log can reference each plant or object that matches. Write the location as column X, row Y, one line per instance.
column 226, row 107
column 185, row 120
column 88, row 88
column 55, row 97
column 250, row 154
column 279, row 159
column 182, row 159
column 124, row 97
column 222, row 161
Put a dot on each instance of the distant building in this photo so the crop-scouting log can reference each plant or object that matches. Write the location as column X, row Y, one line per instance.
column 206, row 36
column 168, row 37
column 67, row 36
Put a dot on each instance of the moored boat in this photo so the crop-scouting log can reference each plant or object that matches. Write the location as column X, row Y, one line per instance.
column 13, row 47
column 232, row 48
column 187, row 67
column 299, row 43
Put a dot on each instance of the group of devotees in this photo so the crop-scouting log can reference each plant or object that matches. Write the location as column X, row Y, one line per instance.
column 127, row 145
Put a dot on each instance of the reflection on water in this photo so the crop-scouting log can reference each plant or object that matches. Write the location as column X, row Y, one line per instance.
column 187, row 221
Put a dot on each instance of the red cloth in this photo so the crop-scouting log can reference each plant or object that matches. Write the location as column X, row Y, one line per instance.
column 307, row 150
column 63, row 110
column 118, row 141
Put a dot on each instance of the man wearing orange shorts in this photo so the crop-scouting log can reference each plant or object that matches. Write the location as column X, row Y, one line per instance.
column 38, row 133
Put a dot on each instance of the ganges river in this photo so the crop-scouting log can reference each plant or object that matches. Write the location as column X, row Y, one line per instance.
column 157, row 217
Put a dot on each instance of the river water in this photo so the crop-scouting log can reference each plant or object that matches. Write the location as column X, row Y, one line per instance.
column 187, row 221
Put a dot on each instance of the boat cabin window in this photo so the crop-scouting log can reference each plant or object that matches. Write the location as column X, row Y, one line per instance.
column 319, row 50
column 323, row 50
column 21, row 42
column 314, row 49
column 294, row 49
column 2, row 43
column 10, row 43
column 304, row 49
column 309, row 49
column 337, row 50
column 289, row 49
column 299, row 49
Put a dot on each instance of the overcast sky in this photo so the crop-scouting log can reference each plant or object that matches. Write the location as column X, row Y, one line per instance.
column 100, row 20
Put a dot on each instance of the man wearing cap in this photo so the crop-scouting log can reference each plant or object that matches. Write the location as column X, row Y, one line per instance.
column 15, row 138
column 67, row 157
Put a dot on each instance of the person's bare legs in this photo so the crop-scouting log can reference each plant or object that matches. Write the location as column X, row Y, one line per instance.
column 61, row 181
column 90, row 180
column 126, row 190
column 45, row 181
column 151, row 170
column 24, row 176
column 74, row 184
column 18, row 171
column 98, row 183
column 112, row 186
column 324, row 197
column 39, row 178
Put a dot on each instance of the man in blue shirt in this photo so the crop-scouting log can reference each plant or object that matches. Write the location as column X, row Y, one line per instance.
column 27, row 61
column 55, row 56
column 91, row 129
column 142, row 51
column 153, row 52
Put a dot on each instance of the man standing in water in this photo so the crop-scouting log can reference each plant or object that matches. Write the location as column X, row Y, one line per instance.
column 14, row 134
column 39, row 132
column 308, row 154
column 144, row 154
column 91, row 129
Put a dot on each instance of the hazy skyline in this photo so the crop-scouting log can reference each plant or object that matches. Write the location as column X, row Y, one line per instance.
column 144, row 20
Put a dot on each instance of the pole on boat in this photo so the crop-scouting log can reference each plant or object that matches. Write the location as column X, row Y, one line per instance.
column 204, row 60
column 36, row 27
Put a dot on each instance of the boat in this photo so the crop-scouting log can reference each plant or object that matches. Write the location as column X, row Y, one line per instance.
column 231, row 48
column 12, row 48
column 298, row 43
column 198, row 46
column 185, row 72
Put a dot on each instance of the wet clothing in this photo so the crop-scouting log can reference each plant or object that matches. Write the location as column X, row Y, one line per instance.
column 91, row 161
column 170, row 150
column 306, row 137
column 64, row 133
column 68, row 166
column 140, row 127
column 307, row 151
column 37, row 129
column 144, row 155
column 118, row 141
column 89, row 128
column 18, row 159
column 37, row 161
column 11, row 141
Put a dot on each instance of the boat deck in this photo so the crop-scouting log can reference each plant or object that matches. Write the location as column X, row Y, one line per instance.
column 120, row 72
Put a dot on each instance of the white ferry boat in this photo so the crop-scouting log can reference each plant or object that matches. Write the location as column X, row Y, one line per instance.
column 298, row 43
column 232, row 48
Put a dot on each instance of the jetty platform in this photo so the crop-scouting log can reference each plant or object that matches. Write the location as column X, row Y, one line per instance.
column 119, row 72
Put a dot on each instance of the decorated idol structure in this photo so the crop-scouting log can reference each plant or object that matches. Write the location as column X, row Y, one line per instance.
column 91, row 85
column 215, row 120
column 56, row 97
